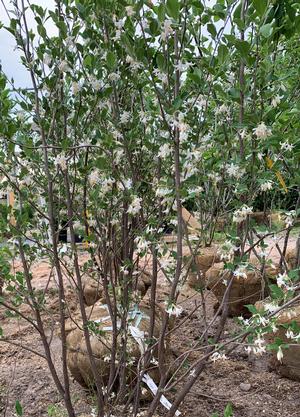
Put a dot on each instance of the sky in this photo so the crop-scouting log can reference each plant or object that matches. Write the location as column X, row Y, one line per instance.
column 9, row 57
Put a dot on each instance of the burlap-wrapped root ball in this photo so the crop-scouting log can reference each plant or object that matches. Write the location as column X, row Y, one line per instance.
column 291, row 258
column 101, row 342
column 93, row 289
column 289, row 366
column 260, row 217
column 245, row 290
column 202, row 262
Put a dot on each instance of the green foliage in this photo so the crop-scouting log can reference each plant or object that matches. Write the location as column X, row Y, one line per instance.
column 56, row 410
column 18, row 408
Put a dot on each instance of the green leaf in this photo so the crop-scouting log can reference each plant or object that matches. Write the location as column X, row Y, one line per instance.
column 228, row 412
column 177, row 103
column 251, row 308
column 87, row 61
column 212, row 30
column 173, row 8
column 63, row 30
column 260, row 6
column 222, row 53
column 277, row 292
column 266, row 30
column 161, row 12
column 153, row 27
column 243, row 47
column 160, row 61
column 19, row 408
column 111, row 60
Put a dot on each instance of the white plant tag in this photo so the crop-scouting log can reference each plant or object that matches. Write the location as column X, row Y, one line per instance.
column 153, row 387
column 102, row 319
column 138, row 336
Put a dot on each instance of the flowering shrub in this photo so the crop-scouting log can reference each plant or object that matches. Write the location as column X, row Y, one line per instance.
column 136, row 110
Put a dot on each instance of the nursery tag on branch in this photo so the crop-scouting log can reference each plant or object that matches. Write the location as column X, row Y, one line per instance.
column 153, row 387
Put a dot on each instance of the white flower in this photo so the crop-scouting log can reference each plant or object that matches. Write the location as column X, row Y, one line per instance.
column 76, row 87
column 248, row 349
column 61, row 162
column 240, row 272
column 279, row 354
column 47, row 59
column 182, row 67
column 143, row 117
column 289, row 218
column 119, row 24
column 174, row 310
column 231, row 78
column 70, row 44
column 214, row 177
column 96, row 84
column 161, row 76
column 125, row 117
column 142, row 244
column 290, row 334
column 262, row 131
column 275, row 101
column 259, row 346
column 196, row 190
column 266, row 186
column 129, row 11
column 270, row 307
column 26, row 181
column 135, row 206
column 223, row 109
column 263, row 320
column 282, row 280
column 286, row 146
column 168, row 262
column 92, row 222
column 114, row 76
column 235, row 171
column 166, row 29
column 227, row 250
column 94, row 177
column 162, row 192
column 260, row 156
column 128, row 184
column 64, row 66
column 216, row 356
column 165, row 151
column 106, row 184
column 117, row 35
column 241, row 214
column 133, row 63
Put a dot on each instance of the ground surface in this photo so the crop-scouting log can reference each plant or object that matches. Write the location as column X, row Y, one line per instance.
column 25, row 377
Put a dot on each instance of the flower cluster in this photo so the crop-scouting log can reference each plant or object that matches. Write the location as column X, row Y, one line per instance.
column 258, row 347
column 289, row 218
column 262, row 131
column 227, row 250
column 173, row 309
column 241, row 214
column 135, row 206
column 61, row 162
column 217, row 356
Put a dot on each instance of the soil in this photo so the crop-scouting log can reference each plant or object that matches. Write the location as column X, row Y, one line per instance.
column 244, row 381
